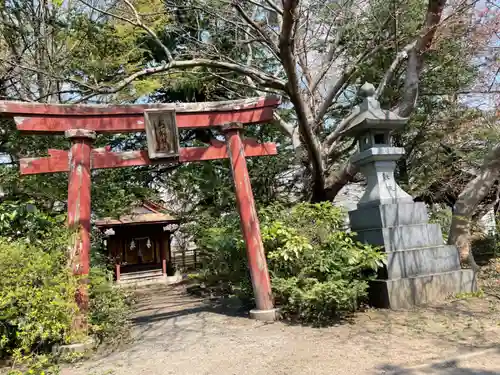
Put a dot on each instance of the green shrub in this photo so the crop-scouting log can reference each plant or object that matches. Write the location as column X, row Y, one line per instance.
column 37, row 292
column 318, row 270
column 22, row 219
column 36, row 298
column 109, row 309
column 109, row 306
column 441, row 215
column 36, row 364
column 223, row 257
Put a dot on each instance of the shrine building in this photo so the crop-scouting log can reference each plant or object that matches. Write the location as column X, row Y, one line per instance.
column 139, row 244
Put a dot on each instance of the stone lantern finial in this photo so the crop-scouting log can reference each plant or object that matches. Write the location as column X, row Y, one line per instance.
column 367, row 90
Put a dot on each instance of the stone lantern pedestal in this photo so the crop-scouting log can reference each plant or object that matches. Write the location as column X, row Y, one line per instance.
column 420, row 267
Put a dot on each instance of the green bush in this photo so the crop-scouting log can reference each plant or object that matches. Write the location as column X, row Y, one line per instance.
column 109, row 306
column 223, row 257
column 37, row 291
column 22, row 219
column 441, row 215
column 36, row 298
column 318, row 270
column 109, row 309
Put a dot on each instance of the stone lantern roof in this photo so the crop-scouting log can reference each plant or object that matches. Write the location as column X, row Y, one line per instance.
column 369, row 116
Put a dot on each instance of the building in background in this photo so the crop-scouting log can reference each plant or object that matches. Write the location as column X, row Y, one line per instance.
column 140, row 244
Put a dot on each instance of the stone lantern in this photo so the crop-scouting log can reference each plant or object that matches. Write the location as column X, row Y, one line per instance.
column 372, row 126
column 420, row 268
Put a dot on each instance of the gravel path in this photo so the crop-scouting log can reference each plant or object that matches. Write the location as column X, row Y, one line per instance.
column 177, row 334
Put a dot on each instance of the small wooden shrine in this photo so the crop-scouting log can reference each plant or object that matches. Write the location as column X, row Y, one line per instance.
column 139, row 242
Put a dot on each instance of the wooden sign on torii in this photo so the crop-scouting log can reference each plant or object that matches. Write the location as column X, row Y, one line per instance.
column 81, row 123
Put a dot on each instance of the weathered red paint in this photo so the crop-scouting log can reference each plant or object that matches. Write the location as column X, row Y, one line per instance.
column 79, row 207
column 118, row 271
column 129, row 124
column 164, row 266
column 102, row 158
column 102, row 110
column 249, row 220
column 163, row 258
column 53, row 118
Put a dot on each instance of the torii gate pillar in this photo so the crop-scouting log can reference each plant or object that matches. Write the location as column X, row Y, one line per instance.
column 79, row 206
column 249, row 220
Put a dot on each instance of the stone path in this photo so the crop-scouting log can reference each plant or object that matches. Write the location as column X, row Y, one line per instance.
column 178, row 334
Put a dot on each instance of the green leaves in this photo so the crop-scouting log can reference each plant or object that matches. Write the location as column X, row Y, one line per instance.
column 288, row 243
column 22, row 219
column 110, row 308
column 318, row 270
column 36, row 297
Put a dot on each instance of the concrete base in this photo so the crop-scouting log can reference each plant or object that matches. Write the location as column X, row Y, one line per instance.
column 388, row 215
column 420, row 261
column 403, row 237
column 420, row 267
column 265, row 315
column 411, row 291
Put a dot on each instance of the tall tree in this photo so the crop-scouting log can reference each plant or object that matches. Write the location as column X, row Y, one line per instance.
column 44, row 43
column 312, row 53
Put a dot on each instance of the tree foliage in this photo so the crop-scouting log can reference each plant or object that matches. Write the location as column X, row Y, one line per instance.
column 212, row 49
column 318, row 271
column 315, row 55
column 36, row 297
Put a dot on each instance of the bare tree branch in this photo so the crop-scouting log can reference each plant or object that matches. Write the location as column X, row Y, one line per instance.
column 48, row 74
column 304, row 114
column 434, row 14
column 275, row 7
column 108, row 13
column 467, row 202
column 262, row 78
column 261, row 5
column 288, row 129
column 334, row 135
column 398, row 60
column 343, row 79
column 142, row 25
column 273, row 47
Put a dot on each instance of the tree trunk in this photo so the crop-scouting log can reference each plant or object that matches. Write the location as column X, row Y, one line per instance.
column 474, row 192
column 335, row 182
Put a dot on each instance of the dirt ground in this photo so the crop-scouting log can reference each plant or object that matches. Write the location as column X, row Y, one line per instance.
column 177, row 334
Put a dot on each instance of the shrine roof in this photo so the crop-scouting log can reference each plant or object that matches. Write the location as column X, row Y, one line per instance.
column 147, row 213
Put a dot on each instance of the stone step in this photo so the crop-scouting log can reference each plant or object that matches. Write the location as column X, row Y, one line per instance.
column 407, row 292
column 421, row 261
column 131, row 276
column 403, row 237
column 137, row 282
column 388, row 215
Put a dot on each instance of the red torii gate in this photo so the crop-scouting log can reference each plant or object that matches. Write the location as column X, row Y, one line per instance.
column 80, row 123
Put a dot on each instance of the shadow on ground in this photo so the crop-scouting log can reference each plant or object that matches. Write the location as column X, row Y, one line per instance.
column 216, row 307
column 467, row 365
column 450, row 370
